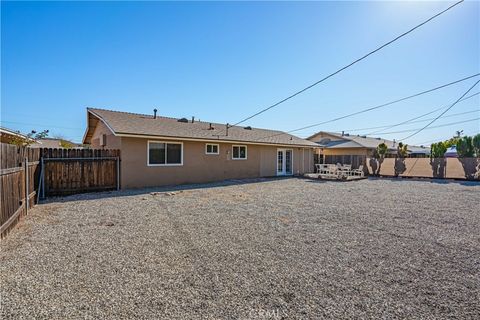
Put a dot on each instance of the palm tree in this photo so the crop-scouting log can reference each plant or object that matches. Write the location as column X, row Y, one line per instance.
column 382, row 150
column 402, row 150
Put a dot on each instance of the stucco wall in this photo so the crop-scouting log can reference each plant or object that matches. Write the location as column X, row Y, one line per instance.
column 113, row 142
column 452, row 168
column 198, row 167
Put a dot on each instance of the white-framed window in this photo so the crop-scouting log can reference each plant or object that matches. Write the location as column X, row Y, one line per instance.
column 161, row 153
column 239, row 152
column 212, row 148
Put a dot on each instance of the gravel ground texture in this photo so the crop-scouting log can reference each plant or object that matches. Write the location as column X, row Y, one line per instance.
column 263, row 249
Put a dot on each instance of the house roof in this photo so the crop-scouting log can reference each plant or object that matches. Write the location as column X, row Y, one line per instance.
column 13, row 133
column 132, row 124
column 52, row 143
column 357, row 141
column 338, row 144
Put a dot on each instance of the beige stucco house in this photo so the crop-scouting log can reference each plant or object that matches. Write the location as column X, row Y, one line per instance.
column 9, row 136
column 343, row 144
column 158, row 151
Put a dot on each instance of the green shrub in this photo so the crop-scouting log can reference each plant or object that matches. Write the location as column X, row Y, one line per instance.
column 382, row 150
column 465, row 147
column 437, row 150
column 476, row 144
column 402, row 150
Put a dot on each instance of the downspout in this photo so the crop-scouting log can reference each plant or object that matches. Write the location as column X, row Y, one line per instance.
column 303, row 160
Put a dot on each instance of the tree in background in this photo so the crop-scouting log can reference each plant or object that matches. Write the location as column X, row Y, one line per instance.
column 451, row 142
column 30, row 138
column 476, row 145
column 402, row 150
column 437, row 160
column 378, row 157
column 64, row 143
column 437, row 150
column 382, row 150
column 465, row 147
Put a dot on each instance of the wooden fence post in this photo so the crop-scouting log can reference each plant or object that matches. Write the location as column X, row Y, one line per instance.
column 118, row 173
column 43, row 178
column 26, row 180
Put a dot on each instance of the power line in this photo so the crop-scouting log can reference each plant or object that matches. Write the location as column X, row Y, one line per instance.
column 41, row 125
column 423, row 115
column 434, row 127
column 437, row 140
column 348, row 65
column 440, row 115
column 449, row 116
column 408, row 121
column 384, row 104
column 375, row 107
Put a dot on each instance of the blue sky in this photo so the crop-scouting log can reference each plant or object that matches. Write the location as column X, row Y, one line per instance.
column 223, row 61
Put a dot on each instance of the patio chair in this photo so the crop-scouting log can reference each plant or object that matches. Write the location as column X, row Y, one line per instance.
column 322, row 169
column 358, row 172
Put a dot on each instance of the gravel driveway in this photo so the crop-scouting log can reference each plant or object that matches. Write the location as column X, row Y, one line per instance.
column 269, row 249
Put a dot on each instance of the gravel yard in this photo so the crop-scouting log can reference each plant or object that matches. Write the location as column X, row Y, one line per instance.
column 269, row 249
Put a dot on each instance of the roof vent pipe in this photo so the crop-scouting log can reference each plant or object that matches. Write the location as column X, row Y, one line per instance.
column 155, row 113
column 343, row 133
column 228, row 126
column 210, row 127
column 193, row 119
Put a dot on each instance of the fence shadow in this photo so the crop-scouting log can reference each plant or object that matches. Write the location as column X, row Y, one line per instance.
column 376, row 165
column 399, row 166
column 163, row 189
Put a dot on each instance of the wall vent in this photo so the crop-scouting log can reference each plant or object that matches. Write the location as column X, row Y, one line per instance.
column 103, row 140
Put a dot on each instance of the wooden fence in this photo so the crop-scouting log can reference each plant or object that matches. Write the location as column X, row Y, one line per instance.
column 70, row 171
column 28, row 174
column 449, row 168
column 19, row 179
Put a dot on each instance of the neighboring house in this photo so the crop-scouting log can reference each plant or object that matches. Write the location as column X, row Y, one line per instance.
column 157, row 151
column 451, row 152
column 8, row 136
column 54, row 143
column 333, row 144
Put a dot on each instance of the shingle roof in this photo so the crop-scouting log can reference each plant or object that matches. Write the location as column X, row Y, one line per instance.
column 145, row 125
column 357, row 141
column 52, row 143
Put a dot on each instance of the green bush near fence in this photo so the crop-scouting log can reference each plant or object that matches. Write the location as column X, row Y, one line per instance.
column 467, row 147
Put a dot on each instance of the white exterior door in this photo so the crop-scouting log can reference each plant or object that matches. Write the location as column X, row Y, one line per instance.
column 284, row 162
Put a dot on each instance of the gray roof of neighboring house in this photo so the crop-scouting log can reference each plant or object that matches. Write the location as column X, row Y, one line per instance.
column 10, row 132
column 357, row 141
column 145, row 125
column 341, row 144
column 51, row 143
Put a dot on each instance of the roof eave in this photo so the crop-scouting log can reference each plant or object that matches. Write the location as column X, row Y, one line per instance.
column 91, row 112
column 149, row 136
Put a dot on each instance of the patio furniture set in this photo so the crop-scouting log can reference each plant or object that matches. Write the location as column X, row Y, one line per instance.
column 339, row 171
